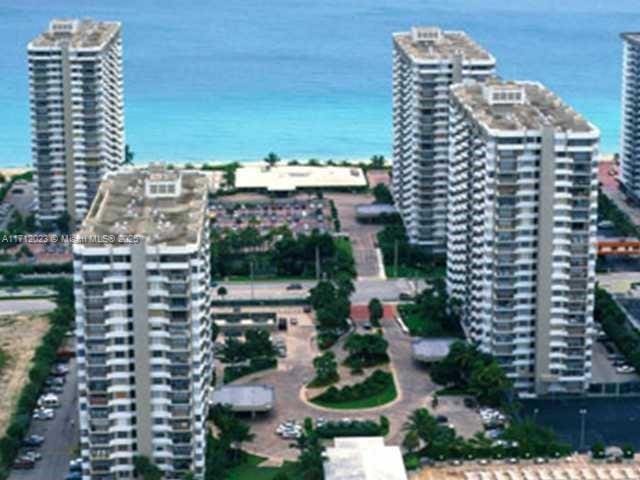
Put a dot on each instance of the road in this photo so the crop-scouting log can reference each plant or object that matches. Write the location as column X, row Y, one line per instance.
column 366, row 288
column 26, row 307
column 61, row 436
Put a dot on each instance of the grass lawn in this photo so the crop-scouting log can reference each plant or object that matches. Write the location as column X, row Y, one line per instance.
column 251, row 470
column 381, row 398
column 420, row 326
column 408, row 271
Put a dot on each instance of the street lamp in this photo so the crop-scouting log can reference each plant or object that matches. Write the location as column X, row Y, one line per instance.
column 583, row 421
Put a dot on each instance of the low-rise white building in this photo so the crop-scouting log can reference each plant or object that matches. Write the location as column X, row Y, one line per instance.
column 363, row 458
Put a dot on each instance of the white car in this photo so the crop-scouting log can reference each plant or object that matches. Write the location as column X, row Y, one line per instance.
column 625, row 369
column 43, row 414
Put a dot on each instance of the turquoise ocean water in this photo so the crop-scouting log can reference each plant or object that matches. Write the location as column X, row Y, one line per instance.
column 233, row 80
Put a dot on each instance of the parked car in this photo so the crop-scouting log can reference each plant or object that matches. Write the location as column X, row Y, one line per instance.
column 59, row 370
column 54, row 389
column 23, row 463
column 43, row 414
column 33, row 441
column 32, row 454
column 405, row 297
column 294, row 286
column 442, row 419
column 75, row 465
column 49, row 401
column 74, row 476
column 625, row 369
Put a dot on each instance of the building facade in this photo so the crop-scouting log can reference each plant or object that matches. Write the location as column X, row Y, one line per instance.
column 629, row 172
column 141, row 276
column 77, row 121
column 521, row 247
column 426, row 61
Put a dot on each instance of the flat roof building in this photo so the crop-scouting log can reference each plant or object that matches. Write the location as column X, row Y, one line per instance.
column 288, row 178
column 77, row 114
column 363, row 458
column 245, row 398
column 143, row 330
column 522, row 225
column 426, row 62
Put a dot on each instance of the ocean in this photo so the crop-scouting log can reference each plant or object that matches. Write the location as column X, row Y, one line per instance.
column 234, row 80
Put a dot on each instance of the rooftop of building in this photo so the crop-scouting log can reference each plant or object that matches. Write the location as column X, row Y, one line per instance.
column 160, row 205
column 86, row 33
column 433, row 43
column 511, row 105
column 576, row 467
column 631, row 36
column 245, row 398
column 363, row 458
column 431, row 349
column 292, row 177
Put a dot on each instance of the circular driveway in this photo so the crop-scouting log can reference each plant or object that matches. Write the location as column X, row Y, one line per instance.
column 296, row 370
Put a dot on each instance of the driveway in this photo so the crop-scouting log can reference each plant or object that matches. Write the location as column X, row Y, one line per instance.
column 61, row 436
column 363, row 236
column 296, row 370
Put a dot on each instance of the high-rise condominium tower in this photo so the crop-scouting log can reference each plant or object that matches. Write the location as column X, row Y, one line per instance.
column 75, row 82
column 143, row 333
column 521, row 247
column 426, row 61
column 629, row 173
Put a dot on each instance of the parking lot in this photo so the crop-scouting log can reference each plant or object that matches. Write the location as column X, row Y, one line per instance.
column 61, row 436
column 296, row 370
column 299, row 214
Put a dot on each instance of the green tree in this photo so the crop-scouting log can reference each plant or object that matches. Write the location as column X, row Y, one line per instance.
column 145, row 468
column 366, row 350
column 310, row 460
column 272, row 159
column 489, row 384
column 222, row 291
column 129, row 155
column 376, row 311
column 377, row 161
column 326, row 370
column 381, row 194
column 411, row 441
column 232, row 431
column 258, row 344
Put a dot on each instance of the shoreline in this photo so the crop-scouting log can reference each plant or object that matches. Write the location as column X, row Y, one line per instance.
column 17, row 170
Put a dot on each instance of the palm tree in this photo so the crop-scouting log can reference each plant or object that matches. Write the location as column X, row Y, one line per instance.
column 271, row 159
column 222, row 291
column 128, row 155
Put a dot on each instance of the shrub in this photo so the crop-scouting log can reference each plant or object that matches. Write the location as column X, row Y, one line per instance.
column 376, row 383
column 366, row 428
column 256, row 364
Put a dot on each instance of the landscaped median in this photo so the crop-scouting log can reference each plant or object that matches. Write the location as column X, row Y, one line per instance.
column 376, row 390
